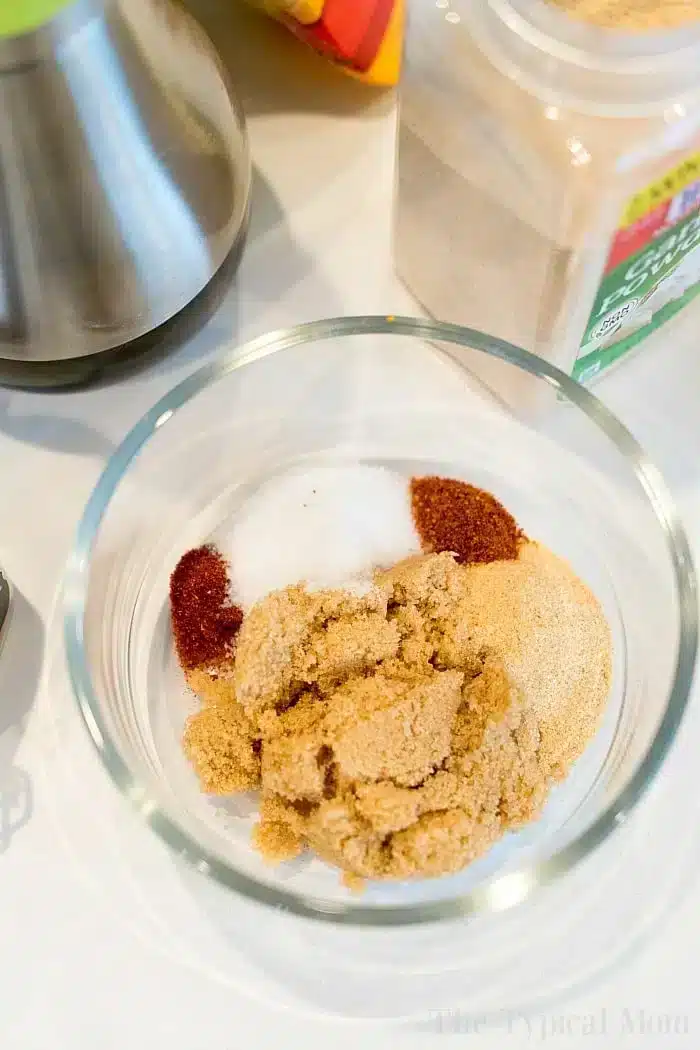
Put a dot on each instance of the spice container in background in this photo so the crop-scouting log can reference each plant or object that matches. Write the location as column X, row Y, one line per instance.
column 361, row 37
column 548, row 186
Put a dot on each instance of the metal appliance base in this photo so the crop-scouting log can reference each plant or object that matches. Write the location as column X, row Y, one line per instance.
column 119, row 361
column 124, row 187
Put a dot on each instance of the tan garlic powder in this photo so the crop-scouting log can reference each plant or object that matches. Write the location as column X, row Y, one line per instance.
column 633, row 15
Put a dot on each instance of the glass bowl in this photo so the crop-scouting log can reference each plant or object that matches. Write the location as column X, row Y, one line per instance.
column 397, row 392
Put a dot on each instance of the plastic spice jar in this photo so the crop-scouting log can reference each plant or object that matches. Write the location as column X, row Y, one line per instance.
column 548, row 186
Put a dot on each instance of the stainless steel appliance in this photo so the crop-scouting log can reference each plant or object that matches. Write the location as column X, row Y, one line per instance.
column 4, row 604
column 124, row 182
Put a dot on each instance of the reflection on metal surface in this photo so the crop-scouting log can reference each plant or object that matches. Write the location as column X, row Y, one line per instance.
column 4, row 602
column 124, row 177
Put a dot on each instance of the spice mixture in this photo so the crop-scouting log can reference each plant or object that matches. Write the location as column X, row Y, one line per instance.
column 468, row 522
column 399, row 732
column 204, row 622
column 633, row 14
column 311, row 524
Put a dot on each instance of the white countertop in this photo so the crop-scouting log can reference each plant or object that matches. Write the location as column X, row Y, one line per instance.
column 101, row 945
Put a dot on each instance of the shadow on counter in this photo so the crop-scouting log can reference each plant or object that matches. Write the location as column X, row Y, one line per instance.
column 209, row 323
column 20, row 667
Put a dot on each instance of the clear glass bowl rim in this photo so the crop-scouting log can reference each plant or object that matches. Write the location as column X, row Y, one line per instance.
column 499, row 893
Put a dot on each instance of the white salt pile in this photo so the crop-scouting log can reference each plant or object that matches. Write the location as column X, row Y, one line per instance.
column 328, row 526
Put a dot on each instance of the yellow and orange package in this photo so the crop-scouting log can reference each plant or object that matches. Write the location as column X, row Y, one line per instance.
column 362, row 37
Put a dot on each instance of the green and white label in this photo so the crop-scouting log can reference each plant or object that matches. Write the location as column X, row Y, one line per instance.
column 652, row 272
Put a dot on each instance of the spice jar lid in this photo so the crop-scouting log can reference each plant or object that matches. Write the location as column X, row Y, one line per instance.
column 22, row 16
column 631, row 17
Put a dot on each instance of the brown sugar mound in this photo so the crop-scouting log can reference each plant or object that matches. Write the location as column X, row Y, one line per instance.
column 382, row 728
column 294, row 638
column 219, row 743
column 291, row 746
column 401, row 733
column 280, row 835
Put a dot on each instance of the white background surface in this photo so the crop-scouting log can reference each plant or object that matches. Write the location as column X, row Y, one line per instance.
column 100, row 945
